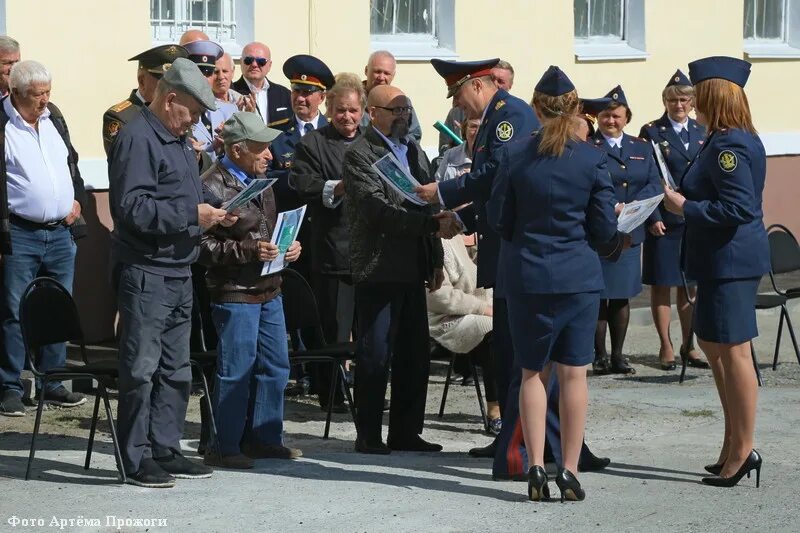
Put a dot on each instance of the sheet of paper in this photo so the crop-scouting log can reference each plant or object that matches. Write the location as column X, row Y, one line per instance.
column 250, row 192
column 635, row 213
column 286, row 230
column 666, row 175
column 398, row 178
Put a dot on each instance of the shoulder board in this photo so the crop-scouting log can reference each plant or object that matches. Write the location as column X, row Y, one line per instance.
column 278, row 122
column 125, row 104
column 499, row 104
column 723, row 131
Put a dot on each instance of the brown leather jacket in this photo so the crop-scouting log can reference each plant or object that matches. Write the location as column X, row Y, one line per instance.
column 231, row 254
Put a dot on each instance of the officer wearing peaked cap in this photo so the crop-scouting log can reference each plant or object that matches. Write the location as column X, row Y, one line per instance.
column 204, row 54
column 504, row 119
column 152, row 64
column 678, row 138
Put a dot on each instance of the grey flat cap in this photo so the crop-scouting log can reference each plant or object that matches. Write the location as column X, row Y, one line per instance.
column 186, row 77
column 247, row 126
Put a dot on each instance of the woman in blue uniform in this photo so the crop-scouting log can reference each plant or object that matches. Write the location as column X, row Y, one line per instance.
column 635, row 177
column 678, row 138
column 552, row 195
column 726, row 251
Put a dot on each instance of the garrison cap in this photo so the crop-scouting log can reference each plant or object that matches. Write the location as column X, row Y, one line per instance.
column 617, row 95
column 204, row 54
column 593, row 106
column 554, row 82
column 186, row 77
column 679, row 78
column 727, row 68
column 307, row 73
column 456, row 73
column 157, row 60
column 247, row 126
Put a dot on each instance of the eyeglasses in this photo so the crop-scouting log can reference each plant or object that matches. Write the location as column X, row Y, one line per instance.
column 260, row 61
column 397, row 111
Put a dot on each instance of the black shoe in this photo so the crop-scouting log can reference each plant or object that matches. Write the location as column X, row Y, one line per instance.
column 753, row 462
column 150, row 475
column 620, row 365
column 181, row 467
column 537, row 484
column 11, row 404
column 668, row 366
column 601, row 366
column 484, row 451
column 338, row 407
column 375, row 448
column 570, row 487
column 714, row 468
column 63, row 398
column 589, row 462
column 414, row 443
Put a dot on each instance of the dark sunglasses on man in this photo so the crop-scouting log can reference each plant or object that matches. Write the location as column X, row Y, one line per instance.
column 260, row 61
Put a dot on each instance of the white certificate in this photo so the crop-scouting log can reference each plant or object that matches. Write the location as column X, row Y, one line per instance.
column 635, row 213
column 666, row 175
column 393, row 173
column 286, row 230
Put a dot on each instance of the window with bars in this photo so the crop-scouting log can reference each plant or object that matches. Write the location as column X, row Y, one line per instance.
column 170, row 18
column 600, row 20
column 609, row 29
column 413, row 29
column 772, row 28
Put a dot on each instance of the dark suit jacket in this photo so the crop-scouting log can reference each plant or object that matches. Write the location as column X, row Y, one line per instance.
column 279, row 101
column 391, row 239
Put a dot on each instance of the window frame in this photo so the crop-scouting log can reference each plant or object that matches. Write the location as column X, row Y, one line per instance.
column 772, row 48
column 631, row 46
column 423, row 46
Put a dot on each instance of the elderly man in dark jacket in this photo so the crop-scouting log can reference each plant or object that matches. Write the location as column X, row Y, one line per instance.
column 394, row 252
column 247, row 308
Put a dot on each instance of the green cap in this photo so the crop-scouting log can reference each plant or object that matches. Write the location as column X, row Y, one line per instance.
column 184, row 76
column 247, row 126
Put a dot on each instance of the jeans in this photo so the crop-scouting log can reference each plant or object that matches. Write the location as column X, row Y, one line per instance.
column 252, row 372
column 46, row 252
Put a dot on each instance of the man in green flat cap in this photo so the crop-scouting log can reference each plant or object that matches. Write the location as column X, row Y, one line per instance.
column 247, row 308
column 159, row 210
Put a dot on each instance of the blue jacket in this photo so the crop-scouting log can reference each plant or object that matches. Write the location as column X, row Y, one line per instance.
column 677, row 157
column 725, row 236
column 283, row 148
column 634, row 175
column 548, row 210
column 507, row 119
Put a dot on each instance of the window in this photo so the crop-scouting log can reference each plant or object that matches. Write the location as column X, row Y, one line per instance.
column 772, row 28
column 227, row 22
column 609, row 29
column 413, row 29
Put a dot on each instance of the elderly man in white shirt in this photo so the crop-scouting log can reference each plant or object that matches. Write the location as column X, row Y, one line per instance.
column 44, row 188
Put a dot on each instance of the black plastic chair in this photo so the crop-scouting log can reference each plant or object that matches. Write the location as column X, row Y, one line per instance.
column 784, row 253
column 476, row 379
column 48, row 315
column 304, row 327
column 685, row 355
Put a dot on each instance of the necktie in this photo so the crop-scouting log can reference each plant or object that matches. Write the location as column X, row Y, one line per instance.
column 618, row 150
column 307, row 127
column 684, row 136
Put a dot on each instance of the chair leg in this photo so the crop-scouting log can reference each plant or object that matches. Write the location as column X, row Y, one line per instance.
column 778, row 338
column 446, row 385
column 114, row 438
column 346, row 392
column 791, row 335
column 685, row 359
column 92, row 430
column 331, row 397
column 755, row 364
column 207, row 398
column 36, row 424
column 484, row 417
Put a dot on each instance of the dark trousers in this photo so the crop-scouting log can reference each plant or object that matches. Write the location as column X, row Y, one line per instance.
column 335, row 297
column 154, row 373
column 393, row 330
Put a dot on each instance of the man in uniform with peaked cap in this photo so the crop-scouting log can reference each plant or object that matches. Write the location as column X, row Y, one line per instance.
column 152, row 65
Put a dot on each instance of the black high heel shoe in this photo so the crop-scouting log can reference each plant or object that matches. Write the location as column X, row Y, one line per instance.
column 569, row 486
column 714, row 468
column 537, row 484
column 753, row 462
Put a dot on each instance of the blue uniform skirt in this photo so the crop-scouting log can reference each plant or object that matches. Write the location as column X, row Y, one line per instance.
column 661, row 259
column 725, row 310
column 623, row 279
column 553, row 327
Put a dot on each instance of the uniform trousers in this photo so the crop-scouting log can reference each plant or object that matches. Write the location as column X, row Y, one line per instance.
column 155, row 377
column 393, row 333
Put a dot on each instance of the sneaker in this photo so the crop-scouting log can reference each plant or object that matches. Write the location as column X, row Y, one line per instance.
column 180, row 467
column 63, row 398
column 271, row 451
column 495, row 425
column 150, row 475
column 11, row 404
column 235, row 462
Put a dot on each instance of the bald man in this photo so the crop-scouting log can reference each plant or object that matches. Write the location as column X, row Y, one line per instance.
column 271, row 101
column 190, row 36
column 380, row 70
column 395, row 255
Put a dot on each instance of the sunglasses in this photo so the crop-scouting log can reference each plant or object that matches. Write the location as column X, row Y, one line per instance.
column 260, row 61
column 397, row 111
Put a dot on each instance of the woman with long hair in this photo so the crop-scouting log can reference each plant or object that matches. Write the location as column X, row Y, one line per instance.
column 726, row 251
column 551, row 200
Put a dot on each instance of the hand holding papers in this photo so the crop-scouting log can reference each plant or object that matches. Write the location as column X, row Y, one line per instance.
column 250, row 192
column 666, row 175
column 286, row 230
column 393, row 173
column 635, row 213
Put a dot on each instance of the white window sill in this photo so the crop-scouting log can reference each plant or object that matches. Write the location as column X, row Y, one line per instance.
column 413, row 51
column 607, row 52
column 768, row 50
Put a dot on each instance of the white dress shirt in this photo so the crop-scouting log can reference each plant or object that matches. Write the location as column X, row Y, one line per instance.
column 612, row 141
column 261, row 99
column 38, row 179
column 301, row 124
column 679, row 127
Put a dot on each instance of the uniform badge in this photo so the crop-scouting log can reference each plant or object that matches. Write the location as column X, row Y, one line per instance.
column 125, row 104
column 615, row 96
column 504, row 131
column 113, row 128
column 205, row 59
column 727, row 161
column 677, row 79
column 303, row 77
column 500, row 104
